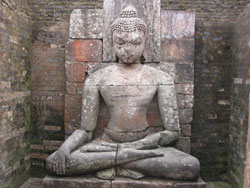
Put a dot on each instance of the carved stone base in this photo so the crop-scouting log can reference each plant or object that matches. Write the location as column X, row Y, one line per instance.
column 91, row 182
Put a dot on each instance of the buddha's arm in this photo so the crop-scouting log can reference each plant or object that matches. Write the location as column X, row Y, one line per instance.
column 76, row 139
column 90, row 109
column 169, row 113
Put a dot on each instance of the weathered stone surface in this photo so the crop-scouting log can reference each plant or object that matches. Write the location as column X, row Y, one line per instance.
column 184, row 73
column 75, row 71
column 168, row 68
column 33, row 183
column 186, row 115
column 74, row 88
column 186, row 129
column 72, row 116
column 183, row 144
column 127, row 89
column 84, row 50
column 86, row 23
column 90, row 182
column 123, row 183
column 77, row 182
column 73, row 101
column 247, row 163
column 186, row 89
column 112, row 10
column 69, row 128
column 175, row 50
column 240, row 108
column 93, row 67
column 15, row 92
column 185, row 101
column 177, row 24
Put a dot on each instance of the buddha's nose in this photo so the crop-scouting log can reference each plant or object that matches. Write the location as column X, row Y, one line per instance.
column 127, row 48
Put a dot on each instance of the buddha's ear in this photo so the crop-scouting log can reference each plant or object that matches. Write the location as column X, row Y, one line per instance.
column 143, row 59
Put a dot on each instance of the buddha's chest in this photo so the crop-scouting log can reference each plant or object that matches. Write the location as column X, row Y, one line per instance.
column 128, row 92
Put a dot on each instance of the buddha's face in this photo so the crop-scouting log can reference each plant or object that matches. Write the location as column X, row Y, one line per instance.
column 129, row 46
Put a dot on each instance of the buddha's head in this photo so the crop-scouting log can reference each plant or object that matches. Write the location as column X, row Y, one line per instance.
column 129, row 34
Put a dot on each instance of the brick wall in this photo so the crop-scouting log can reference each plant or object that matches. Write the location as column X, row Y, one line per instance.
column 213, row 67
column 213, row 48
column 15, row 43
column 240, row 98
column 50, row 35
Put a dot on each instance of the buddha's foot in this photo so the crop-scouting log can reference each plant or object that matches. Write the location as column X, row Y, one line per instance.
column 129, row 173
column 129, row 155
column 107, row 174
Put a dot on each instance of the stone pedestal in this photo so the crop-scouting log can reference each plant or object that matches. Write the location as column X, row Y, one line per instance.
column 91, row 182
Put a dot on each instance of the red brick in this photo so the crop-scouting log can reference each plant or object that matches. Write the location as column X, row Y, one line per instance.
column 72, row 116
column 71, row 88
column 52, row 128
column 36, row 147
column 75, row 72
column 187, row 89
column 74, row 88
column 73, row 101
column 38, row 156
column 84, row 50
column 52, row 145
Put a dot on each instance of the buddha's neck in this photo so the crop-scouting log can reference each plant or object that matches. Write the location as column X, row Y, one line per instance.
column 130, row 67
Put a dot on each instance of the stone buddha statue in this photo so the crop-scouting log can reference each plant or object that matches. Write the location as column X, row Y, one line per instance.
column 128, row 147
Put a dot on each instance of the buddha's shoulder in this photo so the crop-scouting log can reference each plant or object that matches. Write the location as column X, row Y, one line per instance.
column 99, row 75
column 162, row 76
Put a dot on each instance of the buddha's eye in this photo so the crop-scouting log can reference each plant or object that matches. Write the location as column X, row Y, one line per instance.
column 136, row 41
column 119, row 41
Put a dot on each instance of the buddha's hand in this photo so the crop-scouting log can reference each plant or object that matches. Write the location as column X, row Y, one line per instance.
column 149, row 142
column 61, row 161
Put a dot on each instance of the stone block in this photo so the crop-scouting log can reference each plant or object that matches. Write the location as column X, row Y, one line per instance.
column 186, row 89
column 168, row 68
column 91, row 182
column 177, row 24
column 186, row 115
column 74, row 88
column 183, row 144
column 185, row 101
column 184, row 73
column 75, row 72
column 112, row 10
column 71, row 88
column 73, row 101
column 84, row 50
column 76, row 182
column 86, row 23
column 72, row 116
column 186, row 130
column 174, row 50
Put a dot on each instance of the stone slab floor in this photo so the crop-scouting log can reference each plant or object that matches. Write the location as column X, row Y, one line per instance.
column 37, row 183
